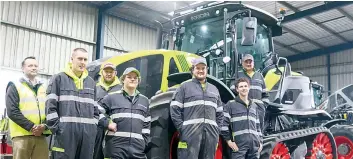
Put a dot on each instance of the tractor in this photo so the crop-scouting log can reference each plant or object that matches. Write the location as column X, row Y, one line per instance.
column 223, row 32
column 340, row 106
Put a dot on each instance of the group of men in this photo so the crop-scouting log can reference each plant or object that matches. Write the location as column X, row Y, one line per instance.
column 77, row 112
column 83, row 116
column 200, row 116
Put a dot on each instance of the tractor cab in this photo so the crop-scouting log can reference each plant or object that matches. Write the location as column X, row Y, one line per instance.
column 224, row 32
column 247, row 30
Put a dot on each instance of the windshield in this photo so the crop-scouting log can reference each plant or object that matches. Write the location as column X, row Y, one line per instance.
column 348, row 91
column 208, row 34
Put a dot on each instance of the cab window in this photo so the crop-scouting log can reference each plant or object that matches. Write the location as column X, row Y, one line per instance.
column 340, row 100
column 151, row 69
column 172, row 69
column 332, row 102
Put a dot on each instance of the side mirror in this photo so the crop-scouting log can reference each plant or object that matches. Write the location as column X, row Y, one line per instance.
column 249, row 31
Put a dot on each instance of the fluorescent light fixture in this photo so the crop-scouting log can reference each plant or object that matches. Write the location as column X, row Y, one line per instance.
column 204, row 28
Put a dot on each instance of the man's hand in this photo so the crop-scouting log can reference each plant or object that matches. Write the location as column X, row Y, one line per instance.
column 112, row 127
column 260, row 148
column 37, row 130
column 232, row 145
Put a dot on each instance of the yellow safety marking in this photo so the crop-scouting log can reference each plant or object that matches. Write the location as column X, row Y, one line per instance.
column 57, row 149
column 182, row 145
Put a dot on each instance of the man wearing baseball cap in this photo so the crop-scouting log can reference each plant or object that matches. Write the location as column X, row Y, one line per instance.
column 129, row 131
column 257, row 92
column 107, row 83
column 197, row 111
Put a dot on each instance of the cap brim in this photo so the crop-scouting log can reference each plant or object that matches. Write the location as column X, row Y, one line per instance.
column 109, row 67
column 200, row 63
column 135, row 71
column 248, row 59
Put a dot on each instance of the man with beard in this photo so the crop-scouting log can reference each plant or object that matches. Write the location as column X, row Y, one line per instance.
column 107, row 83
column 72, row 113
column 129, row 131
column 197, row 112
column 242, row 116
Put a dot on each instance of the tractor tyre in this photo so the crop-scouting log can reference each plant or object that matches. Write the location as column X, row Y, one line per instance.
column 272, row 150
column 343, row 135
column 162, row 128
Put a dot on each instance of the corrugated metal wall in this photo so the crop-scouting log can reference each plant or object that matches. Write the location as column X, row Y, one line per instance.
column 47, row 30
column 341, row 69
column 51, row 30
column 123, row 35
column 316, row 69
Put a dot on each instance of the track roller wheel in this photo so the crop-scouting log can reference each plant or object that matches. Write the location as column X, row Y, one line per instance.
column 343, row 135
column 280, row 151
column 321, row 147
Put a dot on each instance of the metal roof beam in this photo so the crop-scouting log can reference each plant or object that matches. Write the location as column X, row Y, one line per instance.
column 192, row 6
column 110, row 5
column 286, row 4
column 316, row 10
column 286, row 46
column 142, row 8
column 320, row 52
column 345, row 14
column 302, row 37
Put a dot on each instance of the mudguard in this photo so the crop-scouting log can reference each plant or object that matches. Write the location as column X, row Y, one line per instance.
column 333, row 122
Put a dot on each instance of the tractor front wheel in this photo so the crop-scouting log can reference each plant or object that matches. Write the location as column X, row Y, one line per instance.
column 343, row 135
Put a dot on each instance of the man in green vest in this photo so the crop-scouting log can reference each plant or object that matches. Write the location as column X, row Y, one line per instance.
column 107, row 83
column 25, row 103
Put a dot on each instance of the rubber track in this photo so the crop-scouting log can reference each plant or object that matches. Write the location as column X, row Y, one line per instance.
column 271, row 141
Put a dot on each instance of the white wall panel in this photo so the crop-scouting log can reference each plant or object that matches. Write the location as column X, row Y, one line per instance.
column 341, row 69
column 52, row 52
column 111, row 52
column 66, row 18
column 315, row 61
column 47, row 30
column 123, row 35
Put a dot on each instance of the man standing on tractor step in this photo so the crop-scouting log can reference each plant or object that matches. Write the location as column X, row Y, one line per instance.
column 258, row 92
column 108, row 82
column 25, row 103
column 242, row 116
column 129, row 131
column 197, row 112
column 71, row 109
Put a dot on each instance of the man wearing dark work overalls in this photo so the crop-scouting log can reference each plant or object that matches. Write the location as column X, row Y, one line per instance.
column 197, row 112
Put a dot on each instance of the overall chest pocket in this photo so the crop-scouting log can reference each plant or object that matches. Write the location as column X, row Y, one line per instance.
column 87, row 93
column 212, row 96
column 139, row 111
column 256, row 84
